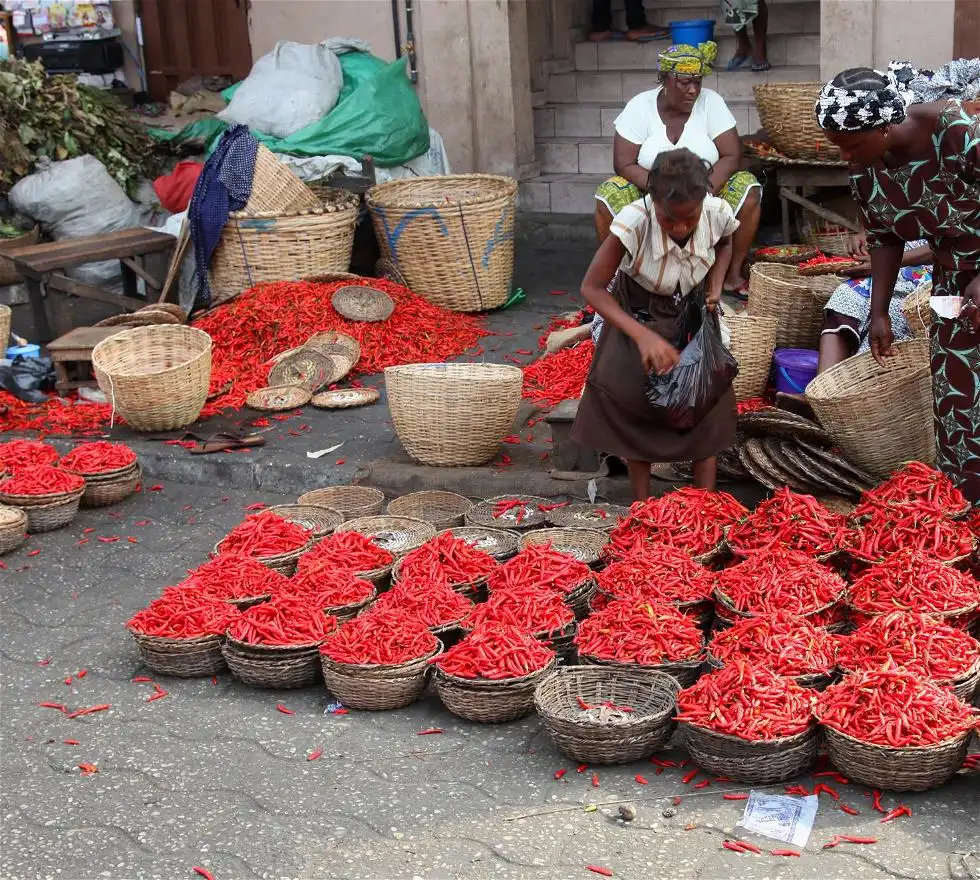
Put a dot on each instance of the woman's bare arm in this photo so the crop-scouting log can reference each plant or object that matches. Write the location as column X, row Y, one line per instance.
column 729, row 146
column 625, row 155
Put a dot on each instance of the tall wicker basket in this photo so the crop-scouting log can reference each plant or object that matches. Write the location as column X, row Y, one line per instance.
column 786, row 113
column 452, row 237
column 753, row 340
column 795, row 302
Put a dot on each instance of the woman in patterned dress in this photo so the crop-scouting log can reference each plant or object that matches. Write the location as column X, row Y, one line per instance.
column 915, row 172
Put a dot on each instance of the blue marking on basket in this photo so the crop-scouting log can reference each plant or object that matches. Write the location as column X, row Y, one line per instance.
column 500, row 234
column 392, row 235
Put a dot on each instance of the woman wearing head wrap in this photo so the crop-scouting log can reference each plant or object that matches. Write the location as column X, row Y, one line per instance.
column 915, row 172
column 680, row 113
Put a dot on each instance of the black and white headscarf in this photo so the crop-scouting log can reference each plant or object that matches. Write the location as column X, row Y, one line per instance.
column 840, row 109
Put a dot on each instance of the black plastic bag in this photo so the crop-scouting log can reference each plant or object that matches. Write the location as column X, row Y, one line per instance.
column 25, row 377
column 685, row 395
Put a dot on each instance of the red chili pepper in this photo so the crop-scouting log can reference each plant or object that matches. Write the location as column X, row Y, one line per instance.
column 750, row 847
column 641, row 780
column 156, row 488
column 90, row 710
column 581, row 768
column 597, row 869
column 660, row 574
column 263, row 535
column 380, row 638
column 897, row 813
column 915, row 482
column 633, row 631
column 677, row 801
column 595, row 780
column 285, row 711
column 430, row 730
column 733, row 845
column 316, row 753
column 60, row 706
column 34, row 553
column 689, row 776
column 876, row 801
column 787, row 643
column 560, row 773
column 88, row 769
column 834, row 841
column 663, row 762
column 850, row 810
column 68, row 681
column 26, row 454
column 41, row 480
column 820, row 787
column 704, row 783
column 71, row 742
column 350, row 550
column 203, row 872
column 784, row 852
column 866, row 840
column 81, row 673
column 98, row 458
column 735, row 797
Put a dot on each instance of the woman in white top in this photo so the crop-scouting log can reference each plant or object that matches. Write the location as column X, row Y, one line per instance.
column 667, row 252
column 680, row 113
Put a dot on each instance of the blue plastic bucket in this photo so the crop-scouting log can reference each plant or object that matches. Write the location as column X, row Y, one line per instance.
column 692, row 32
column 795, row 369
column 28, row 351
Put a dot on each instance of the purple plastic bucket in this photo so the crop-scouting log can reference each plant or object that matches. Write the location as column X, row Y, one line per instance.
column 795, row 368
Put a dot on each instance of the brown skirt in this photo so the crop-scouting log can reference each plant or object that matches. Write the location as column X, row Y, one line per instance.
column 614, row 415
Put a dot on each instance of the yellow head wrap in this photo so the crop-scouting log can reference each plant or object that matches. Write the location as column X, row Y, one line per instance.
column 689, row 60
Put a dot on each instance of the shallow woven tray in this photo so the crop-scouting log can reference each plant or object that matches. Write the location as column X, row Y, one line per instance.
column 332, row 342
column 685, row 673
column 139, row 319
column 790, row 254
column 13, row 528
column 603, row 517
column 916, row 768
column 802, row 480
column 362, row 303
column 315, row 517
column 819, row 472
column 585, row 545
column 837, row 461
column 482, row 513
column 781, row 423
column 501, row 544
column 352, row 501
column 377, row 688
column 753, row 762
column 490, row 701
column 396, row 534
column 345, row 398
column 287, row 668
column 58, row 514
column 184, row 658
column 278, row 398
column 601, row 736
column 443, row 509
column 306, row 367
column 101, row 492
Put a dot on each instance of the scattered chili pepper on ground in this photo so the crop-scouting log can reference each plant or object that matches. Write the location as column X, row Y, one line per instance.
column 316, row 753
column 897, row 813
column 595, row 780
column 784, row 852
column 689, row 776
column 641, row 780
column 846, row 838
column 560, row 773
column 677, row 801
column 850, row 810
column 735, row 797
column 88, row 769
column 556, row 377
column 285, row 711
column 203, row 872
column 430, row 730
column 598, row 869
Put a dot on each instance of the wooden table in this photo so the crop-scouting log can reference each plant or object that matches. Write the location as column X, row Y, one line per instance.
column 43, row 265
column 792, row 179
column 69, row 354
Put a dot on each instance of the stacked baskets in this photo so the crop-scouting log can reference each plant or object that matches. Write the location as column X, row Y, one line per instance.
column 780, row 292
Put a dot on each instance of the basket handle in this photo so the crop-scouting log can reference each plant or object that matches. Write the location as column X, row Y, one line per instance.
column 469, row 253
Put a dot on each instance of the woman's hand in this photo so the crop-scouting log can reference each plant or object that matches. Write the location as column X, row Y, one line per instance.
column 881, row 338
column 857, row 245
column 970, row 313
column 657, row 354
column 712, row 298
column 862, row 270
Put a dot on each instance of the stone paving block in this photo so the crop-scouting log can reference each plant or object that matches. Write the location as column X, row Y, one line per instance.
column 574, row 121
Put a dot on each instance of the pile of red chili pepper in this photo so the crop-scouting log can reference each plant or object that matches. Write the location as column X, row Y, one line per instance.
column 658, row 574
column 350, row 550
column 634, row 631
column 234, row 578
column 54, row 416
column 915, row 642
column 182, row 613
column 540, row 568
column 894, row 708
column 532, row 609
column 328, row 588
column 911, row 580
column 693, row 520
column 44, row 479
column 495, row 651
column 784, row 643
column 780, row 579
column 270, row 318
column 17, row 454
column 753, row 404
column 915, row 482
column 749, row 702
column 789, row 519
column 383, row 637
column 282, row 622
column 559, row 376
column 98, row 458
column 828, row 261
column 433, row 601
column 446, row 557
column 264, row 535
column 913, row 525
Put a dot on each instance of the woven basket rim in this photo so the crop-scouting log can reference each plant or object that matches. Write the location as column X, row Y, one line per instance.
column 46, row 500
column 658, row 679
column 12, row 518
column 348, row 202
column 324, row 515
column 729, row 605
column 822, row 387
column 193, row 338
column 413, row 525
column 369, row 494
column 511, row 540
column 386, row 195
column 272, row 560
column 272, row 649
column 462, row 371
column 690, row 663
column 160, row 642
column 946, row 743
column 486, row 684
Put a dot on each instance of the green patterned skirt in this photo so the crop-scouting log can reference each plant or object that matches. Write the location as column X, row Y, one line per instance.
column 617, row 192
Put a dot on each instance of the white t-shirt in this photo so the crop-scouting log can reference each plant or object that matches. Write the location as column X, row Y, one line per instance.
column 640, row 123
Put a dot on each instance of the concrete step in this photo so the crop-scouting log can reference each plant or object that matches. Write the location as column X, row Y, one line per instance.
column 791, row 47
column 560, row 193
column 618, row 86
column 781, row 12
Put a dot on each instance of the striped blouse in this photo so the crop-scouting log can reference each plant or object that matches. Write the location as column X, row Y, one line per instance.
column 657, row 262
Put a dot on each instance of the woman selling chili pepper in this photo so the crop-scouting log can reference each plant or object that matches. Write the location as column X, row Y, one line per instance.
column 670, row 245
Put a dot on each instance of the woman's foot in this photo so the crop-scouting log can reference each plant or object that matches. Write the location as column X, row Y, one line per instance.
column 600, row 36
column 761, row 66
column 736, row 62
column 737, row 287
column 647, row 32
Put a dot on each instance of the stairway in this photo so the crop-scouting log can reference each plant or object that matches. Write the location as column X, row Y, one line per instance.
column 573, row 122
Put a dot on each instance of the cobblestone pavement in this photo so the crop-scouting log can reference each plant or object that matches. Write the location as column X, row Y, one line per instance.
column 213, row 775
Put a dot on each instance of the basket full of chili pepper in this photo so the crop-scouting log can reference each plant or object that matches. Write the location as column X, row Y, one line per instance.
column 633, row 634
column 20, row 454
column 48, row 495
column 490, row 675
column 660, row 575
column 541, row 612
column 433, row 601
column 110, row 470
column 918, row 643
column 603, row 715
column 915, row 482
column 585, row 545
column 784, row 643
column 446, row 558
column 749, row 724
column 352, row 551
column 892, row 729
column 789, row 519
column 234, row 578
column 321, row 521
column 919, row 525
column 274, row 541
column 518, row 512
column 181, row 633
column 542, row 569
column 337, row 591
column 379, row 660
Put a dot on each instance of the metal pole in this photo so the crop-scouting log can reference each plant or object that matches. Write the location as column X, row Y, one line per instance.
column 397, row 26
column 413, row 73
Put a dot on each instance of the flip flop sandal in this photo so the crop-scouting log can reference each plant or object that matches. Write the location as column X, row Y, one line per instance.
column 662, row 34
column 180, row 436
column 761, row 68
column 227, row 441
column 736, row 62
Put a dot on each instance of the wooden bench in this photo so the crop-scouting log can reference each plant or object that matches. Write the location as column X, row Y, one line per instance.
column 43, row 265
column 72, row 352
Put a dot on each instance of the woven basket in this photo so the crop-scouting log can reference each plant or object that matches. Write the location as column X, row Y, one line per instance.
column 5, row 316
column 685, row 673
column 157, row 377
column 473, row 590
column 966, row 686
column 8, row 274
column 276, row 188
column 13, row 528
column 272, row 667
column 786, row 113
column 917, row 312
column 316, row 518
column 814, row 681
column 443, row 509
column 451, row 415
column 452, row 237
column 881, row 417
column 396, row 534
column 756, row 762
column 790, row 255
column 603, row 736
column 501, row 544
column 833, row 241
column 780, row 292
column 482, row 513
column 915, row 768
column 284, row 563
column 353, row 502
column 585, row 545
column 601, row 517
column 377, row 688
column 753, row 340
column 345, row 398
column 55, row 515
column 490, row 701
column 283, row 245
column 184, row 658
column 101, row 492
column 562, row 640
